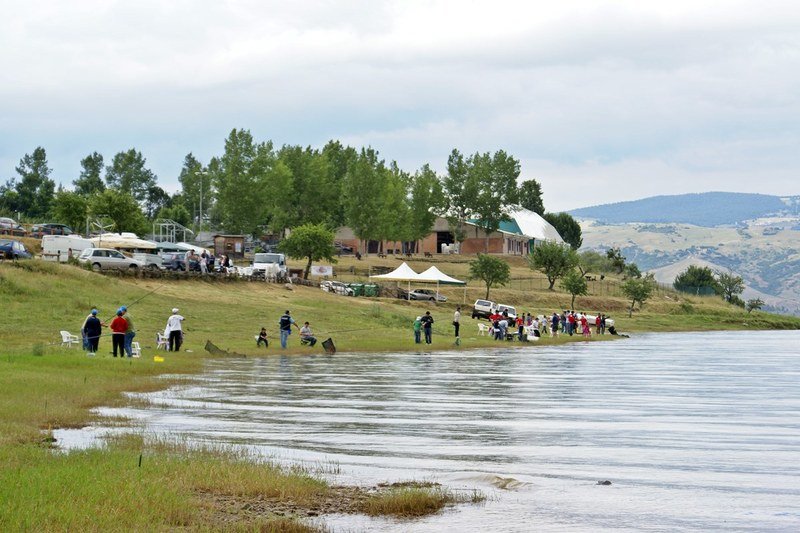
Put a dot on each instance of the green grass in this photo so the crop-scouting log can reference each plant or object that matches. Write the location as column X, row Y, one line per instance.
column 412, row 501
column 47, row 386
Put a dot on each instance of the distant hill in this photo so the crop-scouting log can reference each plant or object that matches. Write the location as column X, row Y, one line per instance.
column 707, row 209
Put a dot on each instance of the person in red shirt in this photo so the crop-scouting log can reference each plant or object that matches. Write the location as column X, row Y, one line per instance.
column 118, row 328
column 521, row 329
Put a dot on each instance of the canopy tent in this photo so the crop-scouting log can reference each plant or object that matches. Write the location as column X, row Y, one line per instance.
column 126, row 241
column 165, row 246
column 432, row 275
column 401, row 273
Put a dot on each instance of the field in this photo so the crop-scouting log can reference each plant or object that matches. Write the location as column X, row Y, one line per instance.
column 47, row 386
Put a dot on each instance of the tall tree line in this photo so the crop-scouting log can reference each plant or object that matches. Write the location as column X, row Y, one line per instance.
column 254, row 187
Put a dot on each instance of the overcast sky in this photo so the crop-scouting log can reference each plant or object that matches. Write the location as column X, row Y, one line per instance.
column 601, row 101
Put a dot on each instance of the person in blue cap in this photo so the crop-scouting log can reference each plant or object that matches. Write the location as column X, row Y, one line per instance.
column 92, row 329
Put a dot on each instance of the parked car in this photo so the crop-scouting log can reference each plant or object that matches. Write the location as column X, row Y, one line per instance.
column 40, row 230
column 174, row 261
column 108, row 258
column 9, row 226
column 482, row 308
column 511, row 311
column 342, row 249
column 336, row 287
column 426, row 294
column 11, row 249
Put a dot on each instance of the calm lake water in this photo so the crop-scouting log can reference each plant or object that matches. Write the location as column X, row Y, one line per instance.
column 696, row 431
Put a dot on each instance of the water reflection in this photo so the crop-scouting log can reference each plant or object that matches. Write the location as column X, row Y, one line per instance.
column 696, row 431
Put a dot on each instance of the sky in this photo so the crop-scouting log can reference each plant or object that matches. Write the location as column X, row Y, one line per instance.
column 600, row 101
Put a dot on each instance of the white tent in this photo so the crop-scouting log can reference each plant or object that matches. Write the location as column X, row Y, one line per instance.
column 126, row 241
column 401, row 273
column 407, row 274
column 433, row 274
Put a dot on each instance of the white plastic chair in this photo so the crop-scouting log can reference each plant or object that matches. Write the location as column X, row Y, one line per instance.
column 483, row 329
column 136, row 350
column 67, row 339
column 162, row 342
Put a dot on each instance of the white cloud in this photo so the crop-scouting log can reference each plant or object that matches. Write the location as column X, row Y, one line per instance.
column 643, row 97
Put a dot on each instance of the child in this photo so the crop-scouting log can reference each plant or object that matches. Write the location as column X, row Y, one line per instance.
column 262, row 337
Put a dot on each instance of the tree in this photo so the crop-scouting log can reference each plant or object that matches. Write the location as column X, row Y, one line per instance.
column 617, row 259
column 249, row 181
column 362, row 193
column 128, row 173
column 593, row 261
column 425, row 201
column 632, row 271
column 177, row 212
column 567, row 227
column 120, row 208
column 312, row 241
column 195, row 186
column 530, row 196
column 697, row 280
column 461, row 189
column 90, row 180
column 493, row 271
column 310, row 171
column 754, row 304
column 638, row 290
column 731, row 286
column 71, row 208
column 575, row 284
column 35, row 190
column 553, row 259
column 496, row 177
column 157, row 198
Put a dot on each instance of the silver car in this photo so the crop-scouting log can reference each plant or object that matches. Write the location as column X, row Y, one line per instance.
column 108, row 258
column 426, row 294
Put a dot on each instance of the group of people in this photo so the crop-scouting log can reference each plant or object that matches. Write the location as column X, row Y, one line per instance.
column 205, row 262
column 568, row 322
column 285, row 326
column 577, row 323
column 123, row 331
column 424, row 324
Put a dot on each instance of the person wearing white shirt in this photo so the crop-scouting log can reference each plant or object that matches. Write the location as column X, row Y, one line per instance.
column 174, row 331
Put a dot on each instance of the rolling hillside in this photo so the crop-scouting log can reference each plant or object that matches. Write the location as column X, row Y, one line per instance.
column 706, row 209
column 755, row 236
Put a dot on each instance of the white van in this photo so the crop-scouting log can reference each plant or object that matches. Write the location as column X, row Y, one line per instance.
column 269, row 262
column 59, row 247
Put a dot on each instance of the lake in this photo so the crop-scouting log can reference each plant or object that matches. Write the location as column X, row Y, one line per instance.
column 696, row 431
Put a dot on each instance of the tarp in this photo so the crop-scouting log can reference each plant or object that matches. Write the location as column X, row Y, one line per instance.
column 435, row 275
column 401, row 273
column 127, row 241
column 534, row 226
column 197, row 249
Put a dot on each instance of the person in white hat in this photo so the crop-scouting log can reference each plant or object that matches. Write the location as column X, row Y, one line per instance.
column 174, row 331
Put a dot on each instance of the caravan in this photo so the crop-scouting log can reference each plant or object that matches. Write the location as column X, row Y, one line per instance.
column 60, row 247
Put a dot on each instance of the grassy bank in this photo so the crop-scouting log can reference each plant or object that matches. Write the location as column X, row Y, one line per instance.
column 47, row 386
